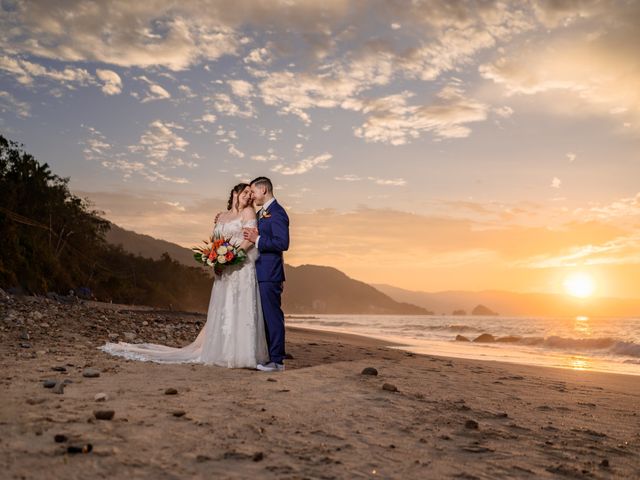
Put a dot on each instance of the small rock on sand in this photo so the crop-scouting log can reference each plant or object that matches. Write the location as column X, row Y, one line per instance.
column 49, row 383
column 171, row 391
column 389, row 387
column 369, row 371
column 178, row 413
column 58, row 388
column 59, row 369
column 90, row 373
column 471, row 424
column 462, row 338
column 101, row 397
column 60, row 438
column 104, row 414
column 129, row 336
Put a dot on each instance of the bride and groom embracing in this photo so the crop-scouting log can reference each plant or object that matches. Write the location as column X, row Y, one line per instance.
column 245, row 322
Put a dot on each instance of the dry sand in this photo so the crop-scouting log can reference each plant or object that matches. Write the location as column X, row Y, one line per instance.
column 322, row 418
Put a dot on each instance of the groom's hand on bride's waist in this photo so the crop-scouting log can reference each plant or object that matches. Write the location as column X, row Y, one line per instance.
column 250, row 234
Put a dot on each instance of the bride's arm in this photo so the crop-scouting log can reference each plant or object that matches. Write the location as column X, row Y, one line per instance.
column 248, row 215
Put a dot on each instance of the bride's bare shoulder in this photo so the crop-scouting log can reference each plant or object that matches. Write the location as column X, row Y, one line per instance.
column 220, row 216
column 248, row 213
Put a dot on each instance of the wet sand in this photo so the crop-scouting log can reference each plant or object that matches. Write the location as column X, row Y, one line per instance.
column 435, row 418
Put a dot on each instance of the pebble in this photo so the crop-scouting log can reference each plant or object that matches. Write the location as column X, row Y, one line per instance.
column 258, row 456
column 100, row 397
column 171, row 391
column 471, row 424
column 462, row 338
column 25, row 336
column 104, row 414
column 80, row 449
column 59, row 369
column 129, row 336
column 605, row 463
column 25, row 345
column 58, row 388
column 60, row 438
column 369, row 371
column 179, row 413
column 90, row 373
column 49, row 383
column 389, row 387
column 113, row 337
column 271, row 379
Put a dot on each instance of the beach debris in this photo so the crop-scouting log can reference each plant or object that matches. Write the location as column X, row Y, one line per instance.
column 462, row 338
column 471, row 425
column 171, row 391
column 369, row 371
column 389, row 387
column 58, row 388
column 178, row 413
column 101, row 397
column 60, row 438
column 104, row 414
column 485, row 338
column 86, row 448
column 90, row 373
column 48, row 383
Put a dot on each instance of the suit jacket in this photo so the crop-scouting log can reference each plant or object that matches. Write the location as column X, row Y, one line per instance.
column 273, row 227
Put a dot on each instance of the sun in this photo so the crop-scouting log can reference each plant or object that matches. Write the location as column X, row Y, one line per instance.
column 579, row 284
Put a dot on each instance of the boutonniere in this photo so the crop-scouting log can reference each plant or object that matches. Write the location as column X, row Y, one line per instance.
column 265, row 214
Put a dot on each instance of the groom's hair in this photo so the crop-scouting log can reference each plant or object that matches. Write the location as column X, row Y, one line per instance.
column 263, row 182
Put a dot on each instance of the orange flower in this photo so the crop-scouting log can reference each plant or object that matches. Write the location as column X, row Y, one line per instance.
column 229, row 256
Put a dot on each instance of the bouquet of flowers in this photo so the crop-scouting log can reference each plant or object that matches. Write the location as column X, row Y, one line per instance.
column 218, row 253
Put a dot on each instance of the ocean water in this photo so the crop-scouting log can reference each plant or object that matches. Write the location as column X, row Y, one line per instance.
column 582, row 343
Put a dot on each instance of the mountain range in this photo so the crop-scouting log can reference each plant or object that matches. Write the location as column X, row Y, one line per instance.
column 309, row 289
column 319, row 289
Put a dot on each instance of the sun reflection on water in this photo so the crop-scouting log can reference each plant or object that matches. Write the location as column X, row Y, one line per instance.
column 579, row 363
column 582, row 325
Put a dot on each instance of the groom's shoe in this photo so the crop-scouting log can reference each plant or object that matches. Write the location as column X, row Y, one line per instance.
column 271, row 367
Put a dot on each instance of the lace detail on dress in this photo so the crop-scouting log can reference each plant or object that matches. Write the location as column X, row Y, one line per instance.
column 234, row 334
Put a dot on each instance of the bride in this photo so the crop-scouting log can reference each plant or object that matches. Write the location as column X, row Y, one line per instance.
column 234, row 334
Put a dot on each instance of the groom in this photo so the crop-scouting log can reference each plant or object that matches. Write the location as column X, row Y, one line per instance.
column 271, row 239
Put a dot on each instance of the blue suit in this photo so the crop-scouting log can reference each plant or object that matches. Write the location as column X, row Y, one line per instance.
column 273, row 228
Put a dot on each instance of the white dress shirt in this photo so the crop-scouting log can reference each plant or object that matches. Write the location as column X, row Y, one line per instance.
column 264, row 207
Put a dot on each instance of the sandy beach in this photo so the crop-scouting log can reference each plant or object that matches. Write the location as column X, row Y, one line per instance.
column 421, row 416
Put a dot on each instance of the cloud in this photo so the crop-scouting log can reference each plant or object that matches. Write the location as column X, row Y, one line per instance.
column 154, row 92
column 235, row 152
column 25, row 71
column 303, row 166
column 159, row 141
column 348, row 178
column 112, row 82
column 392, row 120
column 591, row 68
column 241, row 88
column 225, row 106
column 10, row 103
column 209, row 118
column 392, row 182
column 556, row 182
column 571, row 157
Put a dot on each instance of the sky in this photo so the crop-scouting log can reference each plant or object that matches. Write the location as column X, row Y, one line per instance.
column 430, row 145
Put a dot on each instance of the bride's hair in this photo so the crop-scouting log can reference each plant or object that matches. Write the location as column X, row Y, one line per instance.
column 237, row 189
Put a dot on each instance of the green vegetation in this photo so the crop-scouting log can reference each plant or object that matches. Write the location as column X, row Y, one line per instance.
column 51, row 240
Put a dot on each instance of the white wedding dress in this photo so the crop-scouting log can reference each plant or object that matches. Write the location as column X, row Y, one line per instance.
column 234, row 334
